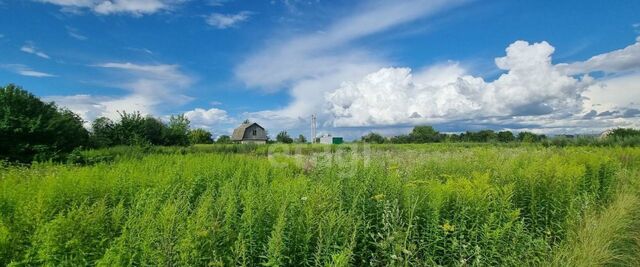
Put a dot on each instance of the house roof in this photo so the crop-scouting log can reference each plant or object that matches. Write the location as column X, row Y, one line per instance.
column 238, row 133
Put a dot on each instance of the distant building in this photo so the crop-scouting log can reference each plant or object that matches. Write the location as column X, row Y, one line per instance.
column 331, row 140
column 250, row 133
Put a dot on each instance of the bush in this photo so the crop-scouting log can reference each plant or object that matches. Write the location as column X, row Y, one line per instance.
column 33, row 130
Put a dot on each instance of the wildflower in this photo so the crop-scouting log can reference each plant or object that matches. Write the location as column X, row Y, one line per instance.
column 378, row 197
column 448, row 227
column 303, row 198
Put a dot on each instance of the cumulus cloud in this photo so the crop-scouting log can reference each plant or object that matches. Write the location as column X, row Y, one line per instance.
column 26, row 71
column 30, row 48
column 149, row 89
column 107, row 7
column 207, row 118
column 309, row 65
column 224, row 21
column 624, row 59
column 391, row 96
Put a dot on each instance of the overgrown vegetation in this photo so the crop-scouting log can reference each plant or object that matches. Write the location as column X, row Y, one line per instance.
column 33, row 130
column 448, row 205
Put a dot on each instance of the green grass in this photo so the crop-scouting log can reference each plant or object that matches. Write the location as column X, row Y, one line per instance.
column 408, row 205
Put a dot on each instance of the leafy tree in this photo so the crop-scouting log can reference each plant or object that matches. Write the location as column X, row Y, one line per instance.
column 130, row 130
column 178, row 130
column 31, row 129
column 200, row 136
column 301, row 139
column 506, row 136
column 424, row 134
column 621, row 133
column 400, row 139
column 102, row 132
column 374, row 138
column 224, row 139
column 154, row 131
column 529, row 137
column 283, row 137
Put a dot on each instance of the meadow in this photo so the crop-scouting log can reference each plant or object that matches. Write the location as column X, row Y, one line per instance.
column 304, row 205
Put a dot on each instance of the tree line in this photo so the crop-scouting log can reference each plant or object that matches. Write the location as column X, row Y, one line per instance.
column 427, row 134
column 31, row 129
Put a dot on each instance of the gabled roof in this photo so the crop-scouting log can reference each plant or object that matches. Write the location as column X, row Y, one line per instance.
column 238, row 133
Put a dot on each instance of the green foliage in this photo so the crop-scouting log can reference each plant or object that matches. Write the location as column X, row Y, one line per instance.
column 224, row 139
column 283, row 137
column 178, row 130
column 133, row 129
column 529, row 137
column 424, row 134
column 410, row 205
column 373, row 138
column 200, row 136
column 33, row 130
column 301, row 139
column 505, row 136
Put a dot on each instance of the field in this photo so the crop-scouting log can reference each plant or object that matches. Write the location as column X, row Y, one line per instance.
column 399, row 205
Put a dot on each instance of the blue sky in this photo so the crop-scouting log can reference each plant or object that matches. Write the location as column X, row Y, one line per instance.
column 545, row 66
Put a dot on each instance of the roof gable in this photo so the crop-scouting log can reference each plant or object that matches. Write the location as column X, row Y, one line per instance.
column 238, row 133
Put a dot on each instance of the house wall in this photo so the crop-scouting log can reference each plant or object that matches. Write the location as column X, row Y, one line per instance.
column 261, row 134
column 257, row 142
column 328, row 140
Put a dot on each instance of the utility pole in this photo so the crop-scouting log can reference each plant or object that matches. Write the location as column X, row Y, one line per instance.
column 313, row 128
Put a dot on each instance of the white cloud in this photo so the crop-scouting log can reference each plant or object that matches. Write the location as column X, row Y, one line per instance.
column 224, row 21
column 614, row 93
column 73, row 32
column 151, row 89
column 30, row 48
column 310, row 65
column 391, row 96
column 107, row 7
column 533, row 94
column 624, row 59
column 26, row 71
column 206, row 118
column 33, row 73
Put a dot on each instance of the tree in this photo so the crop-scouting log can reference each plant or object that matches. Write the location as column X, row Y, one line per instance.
column 200, row 136
column 223, row 139
column 424, row 134
column 301, row 139
column 400, row 139
column 529, row 137
column 178, row 130
column 622, row 133
column 283, row 137
column 102, row 132
column 374, row 138
column 34, row 130
column 506, row 136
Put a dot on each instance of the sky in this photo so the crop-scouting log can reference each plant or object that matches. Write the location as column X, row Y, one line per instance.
column 553, row 67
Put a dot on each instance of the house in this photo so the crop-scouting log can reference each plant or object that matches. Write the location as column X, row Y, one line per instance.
column 331, row 140
column 249, row 133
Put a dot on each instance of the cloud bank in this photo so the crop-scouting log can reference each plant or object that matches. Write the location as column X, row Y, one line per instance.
column 390, row 96
column 533, row 93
